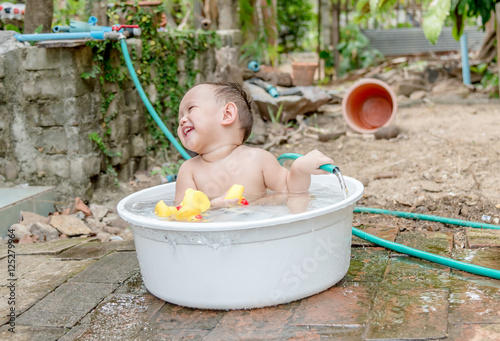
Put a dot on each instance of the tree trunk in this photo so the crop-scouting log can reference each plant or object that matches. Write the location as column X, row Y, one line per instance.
column 227, row 19
column 38, row 12
column 487, row 52
column 98, row 9
column 497, row 15
column 269, row 13
column 335, row 35
column 318, row 48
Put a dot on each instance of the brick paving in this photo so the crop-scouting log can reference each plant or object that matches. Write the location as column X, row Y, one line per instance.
column 81, row 289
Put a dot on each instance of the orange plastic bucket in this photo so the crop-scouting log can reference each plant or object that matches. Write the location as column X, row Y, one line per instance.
column 368, row 105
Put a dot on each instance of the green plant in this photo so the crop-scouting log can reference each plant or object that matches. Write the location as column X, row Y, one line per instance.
column 10, row 27
column 70, row 10
column 277, row 119
column 112, row 172
column 255, row 42
column 355, row 50
column 374, row 9
column 461, row 10
column 102, row 146
column 489, row 79
column 295, row 21
column 292, row 29
column 162, row 55
column 168, row 169
column 108, row 153
column 480, row 68
column 436, row 13
column 329, row 64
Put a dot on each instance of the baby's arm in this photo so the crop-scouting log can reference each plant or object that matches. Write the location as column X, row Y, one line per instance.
column 184, row 181
column 299, row 178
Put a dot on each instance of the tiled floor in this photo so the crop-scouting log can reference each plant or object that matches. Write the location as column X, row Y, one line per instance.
column 81, row 289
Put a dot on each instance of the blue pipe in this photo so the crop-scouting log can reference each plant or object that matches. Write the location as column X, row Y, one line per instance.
column 80, row 26
column 147, row 103
column 99, row 35
column 254, row 66
column 465, row 59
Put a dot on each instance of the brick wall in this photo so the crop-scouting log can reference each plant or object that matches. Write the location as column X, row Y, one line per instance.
column 47, row 111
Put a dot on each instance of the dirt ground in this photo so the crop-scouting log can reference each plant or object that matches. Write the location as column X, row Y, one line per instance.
column 445, row 161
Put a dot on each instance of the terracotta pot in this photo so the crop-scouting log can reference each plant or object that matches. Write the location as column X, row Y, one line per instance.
column 368, row 105
column 303, row 73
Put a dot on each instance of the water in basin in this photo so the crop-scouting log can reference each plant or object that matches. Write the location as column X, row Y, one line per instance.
column 268, row 206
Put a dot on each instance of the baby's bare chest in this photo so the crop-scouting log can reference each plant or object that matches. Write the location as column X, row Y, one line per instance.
column 215, row 179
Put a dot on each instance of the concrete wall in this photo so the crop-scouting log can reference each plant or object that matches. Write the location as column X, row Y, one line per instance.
column 47, row 111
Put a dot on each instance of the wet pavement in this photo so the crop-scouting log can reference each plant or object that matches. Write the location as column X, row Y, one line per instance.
column 82, row 289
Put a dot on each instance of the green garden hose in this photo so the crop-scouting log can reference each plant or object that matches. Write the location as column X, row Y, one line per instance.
column 467, row 267
column 418, row 216
column 148, row 105
column 475, row 269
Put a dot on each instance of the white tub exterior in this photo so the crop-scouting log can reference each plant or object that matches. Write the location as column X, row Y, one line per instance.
column 245, row 264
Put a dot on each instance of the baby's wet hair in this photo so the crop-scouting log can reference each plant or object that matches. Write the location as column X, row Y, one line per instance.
column 225, row 92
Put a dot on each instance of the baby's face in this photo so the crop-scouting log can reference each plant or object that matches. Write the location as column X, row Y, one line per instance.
column 198, row 116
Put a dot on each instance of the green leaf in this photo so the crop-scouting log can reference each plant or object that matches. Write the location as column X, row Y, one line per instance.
column 10, row 27
column 374, row 6
column 434, row 19
column 38, row 29
column 386, row 6
column 482, row 67
column 363, row 6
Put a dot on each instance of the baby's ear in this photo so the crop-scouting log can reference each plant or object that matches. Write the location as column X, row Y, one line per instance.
column 229, row 114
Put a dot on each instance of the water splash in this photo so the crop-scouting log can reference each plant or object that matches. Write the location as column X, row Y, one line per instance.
column 343, row 186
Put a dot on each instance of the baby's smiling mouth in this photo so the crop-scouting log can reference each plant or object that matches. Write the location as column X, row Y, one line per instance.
column 187, row 130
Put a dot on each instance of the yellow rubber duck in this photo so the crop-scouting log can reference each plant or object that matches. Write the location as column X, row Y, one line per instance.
column 196, row 199
column 236, row 192
column 162, row 210
column 193, row 204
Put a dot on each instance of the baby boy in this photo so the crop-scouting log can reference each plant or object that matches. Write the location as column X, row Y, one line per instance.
column 215, row 119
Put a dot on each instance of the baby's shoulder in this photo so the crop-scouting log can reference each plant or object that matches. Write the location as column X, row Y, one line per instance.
column 252, row 154
column 190, row 163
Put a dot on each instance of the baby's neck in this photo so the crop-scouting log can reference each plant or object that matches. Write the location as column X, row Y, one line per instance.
column 219, row 153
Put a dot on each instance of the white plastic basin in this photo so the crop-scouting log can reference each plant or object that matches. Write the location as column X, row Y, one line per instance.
column 236, row 265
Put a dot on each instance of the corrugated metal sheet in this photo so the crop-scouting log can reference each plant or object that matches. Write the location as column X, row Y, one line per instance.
column 407, row 41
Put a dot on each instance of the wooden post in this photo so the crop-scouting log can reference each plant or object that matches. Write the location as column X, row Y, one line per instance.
column 497, row 16
column 335, row 35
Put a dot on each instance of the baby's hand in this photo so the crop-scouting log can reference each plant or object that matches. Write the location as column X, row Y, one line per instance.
column 220, row 202
column 311, row 162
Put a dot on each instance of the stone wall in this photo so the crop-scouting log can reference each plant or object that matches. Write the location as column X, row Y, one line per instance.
column 47, row 111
